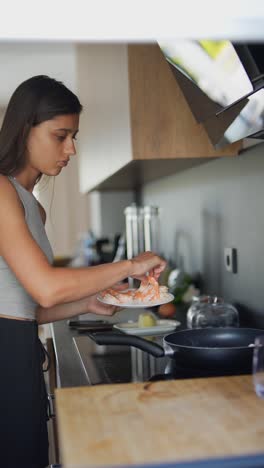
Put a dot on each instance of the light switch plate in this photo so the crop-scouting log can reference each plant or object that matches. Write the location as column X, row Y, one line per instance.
column 230, row 259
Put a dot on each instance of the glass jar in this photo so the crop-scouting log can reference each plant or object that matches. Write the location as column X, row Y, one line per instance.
column 211, row 311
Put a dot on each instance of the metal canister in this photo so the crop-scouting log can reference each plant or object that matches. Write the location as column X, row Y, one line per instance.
column 151, row 228
column 142, row 229
column 134, row 230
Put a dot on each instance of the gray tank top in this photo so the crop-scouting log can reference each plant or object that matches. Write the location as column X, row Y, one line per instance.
column 14, row 299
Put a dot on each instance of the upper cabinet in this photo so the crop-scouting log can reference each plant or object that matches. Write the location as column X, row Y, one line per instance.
column 136, row 125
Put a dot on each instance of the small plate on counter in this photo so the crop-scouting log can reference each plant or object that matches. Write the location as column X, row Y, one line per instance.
column 162, row 327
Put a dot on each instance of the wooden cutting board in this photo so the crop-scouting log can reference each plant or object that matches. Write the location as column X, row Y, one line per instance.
column 159, row 421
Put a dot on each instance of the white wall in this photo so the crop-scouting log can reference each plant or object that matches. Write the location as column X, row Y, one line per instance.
column 105, row 142
column 102, row 72
column 20, row 61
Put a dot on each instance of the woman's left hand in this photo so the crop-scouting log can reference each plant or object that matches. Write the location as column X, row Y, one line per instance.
column 96, row 307
column 100, row 308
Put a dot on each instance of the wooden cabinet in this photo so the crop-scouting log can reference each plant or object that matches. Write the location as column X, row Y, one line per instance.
column 136, row 125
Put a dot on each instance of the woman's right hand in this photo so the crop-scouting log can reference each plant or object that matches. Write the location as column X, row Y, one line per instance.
column 147, row 262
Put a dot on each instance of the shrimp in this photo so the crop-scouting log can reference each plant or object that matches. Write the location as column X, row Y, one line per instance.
column 126, row 296
column 110, row 291
column 148, row 291
column 118, row 296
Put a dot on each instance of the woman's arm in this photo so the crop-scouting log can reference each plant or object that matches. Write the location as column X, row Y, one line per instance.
column 65, row 311
column 48, row 285
column 83, row 306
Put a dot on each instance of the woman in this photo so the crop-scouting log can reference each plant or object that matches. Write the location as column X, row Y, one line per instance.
column 36, row 138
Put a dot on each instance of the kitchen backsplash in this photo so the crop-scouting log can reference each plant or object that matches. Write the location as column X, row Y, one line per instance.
column 216, row 205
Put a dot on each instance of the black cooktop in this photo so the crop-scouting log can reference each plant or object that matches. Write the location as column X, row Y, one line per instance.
column 174, row 371
column 114, row 367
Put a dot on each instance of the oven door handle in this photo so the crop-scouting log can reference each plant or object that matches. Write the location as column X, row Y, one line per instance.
column 51, row 406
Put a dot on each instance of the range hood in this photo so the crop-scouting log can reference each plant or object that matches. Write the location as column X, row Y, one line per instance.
column 223, row 83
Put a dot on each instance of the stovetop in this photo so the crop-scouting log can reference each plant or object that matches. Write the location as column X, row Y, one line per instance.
column 116, row 364
column 123, row 364
column 103, row 364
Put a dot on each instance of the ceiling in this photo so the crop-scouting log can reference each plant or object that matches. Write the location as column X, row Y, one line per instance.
column 137, row 20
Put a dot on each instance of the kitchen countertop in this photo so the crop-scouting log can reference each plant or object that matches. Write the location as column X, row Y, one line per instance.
column 161, row 422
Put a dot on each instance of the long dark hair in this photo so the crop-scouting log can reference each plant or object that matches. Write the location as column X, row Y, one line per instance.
column 35, row 100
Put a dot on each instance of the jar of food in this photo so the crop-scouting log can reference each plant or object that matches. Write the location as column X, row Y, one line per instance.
column 211, row 311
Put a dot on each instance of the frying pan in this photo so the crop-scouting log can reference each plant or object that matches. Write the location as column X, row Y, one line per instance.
column 228, row 348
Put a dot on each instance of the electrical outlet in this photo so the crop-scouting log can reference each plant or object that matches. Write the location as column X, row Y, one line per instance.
column 230, row 258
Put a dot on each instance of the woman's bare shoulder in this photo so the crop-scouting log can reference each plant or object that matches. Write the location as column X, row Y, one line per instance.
column 8, row 195
column 5, row 183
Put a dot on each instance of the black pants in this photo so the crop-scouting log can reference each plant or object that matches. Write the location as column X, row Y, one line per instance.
column 23, row 399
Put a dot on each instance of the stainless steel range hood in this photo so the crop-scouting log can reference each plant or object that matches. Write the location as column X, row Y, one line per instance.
column 223, row 84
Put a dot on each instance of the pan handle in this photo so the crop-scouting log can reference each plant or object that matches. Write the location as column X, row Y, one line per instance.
column 130, row 340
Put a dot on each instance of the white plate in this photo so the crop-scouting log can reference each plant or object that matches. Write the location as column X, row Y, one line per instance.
column 162, row 327
column 138, row 304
